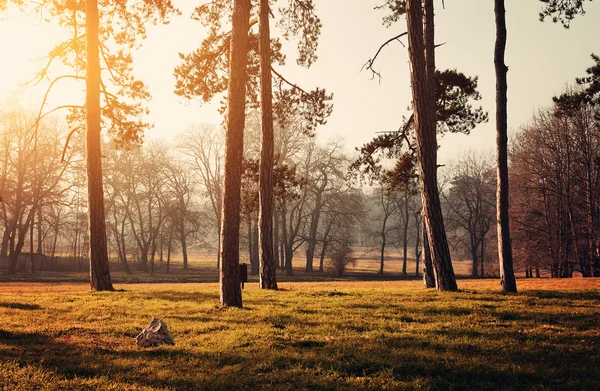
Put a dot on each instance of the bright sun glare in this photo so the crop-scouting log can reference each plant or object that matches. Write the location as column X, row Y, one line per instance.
column 25, row 42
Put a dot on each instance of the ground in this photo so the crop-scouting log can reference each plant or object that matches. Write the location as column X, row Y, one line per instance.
column 309, row 335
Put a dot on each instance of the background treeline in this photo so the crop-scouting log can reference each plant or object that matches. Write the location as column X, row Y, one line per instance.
column 163, row 200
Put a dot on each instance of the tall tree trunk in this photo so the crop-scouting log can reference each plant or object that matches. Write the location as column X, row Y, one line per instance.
column 428, row 273
column 382, row 250
column 250, row 239
column 267, row 276
column 422, row 69
column 405, row 234
column 4, row 247
column 40, row 243
column 169, row 245
column 474, row 256
column 54, row 240
column 507, row 274
column 121, row 238
column 230, row 289
column 99, row 268
column 183, row 240
column 417, row 244
column 276, row 256
column 31, row 253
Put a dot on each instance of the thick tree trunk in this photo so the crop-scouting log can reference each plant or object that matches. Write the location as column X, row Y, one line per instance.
column 230, row 289
column 507, row 275
column 99, row 268
column 267, row 276
column 422, row 69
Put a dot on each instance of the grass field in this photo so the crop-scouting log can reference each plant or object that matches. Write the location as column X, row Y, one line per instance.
column 314, row 335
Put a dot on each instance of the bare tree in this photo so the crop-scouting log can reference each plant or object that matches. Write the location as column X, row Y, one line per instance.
column 202, row 146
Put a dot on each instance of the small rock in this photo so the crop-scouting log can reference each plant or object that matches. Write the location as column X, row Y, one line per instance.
column 155, row 334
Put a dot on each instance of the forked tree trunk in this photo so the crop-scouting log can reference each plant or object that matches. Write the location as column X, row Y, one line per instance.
column 99, row 268
column 507, row 274
column 267, row 272
column 229, row 281
column 422, row 68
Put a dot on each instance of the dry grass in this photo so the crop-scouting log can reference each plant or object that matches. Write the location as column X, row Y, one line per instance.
column 310, row 335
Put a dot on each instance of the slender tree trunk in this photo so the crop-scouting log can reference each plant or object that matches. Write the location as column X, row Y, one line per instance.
column 40, row 243
column 4, row 247
column 169, row 245
column 267, row 276
column 230, row 289
column 474, row 255
column 382, row 250
column 322, row 256
column 183, row 240
column 276, row 255
column 54, row 241
column 417, row 244
column 428, row 273
column 99, row 268
column 250, row 238
column 121, row 237
column 405, row 234
column 422, row 69
column 31, row 253
column 507, row 274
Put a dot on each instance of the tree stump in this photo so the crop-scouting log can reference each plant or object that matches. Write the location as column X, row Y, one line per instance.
column 155, row 334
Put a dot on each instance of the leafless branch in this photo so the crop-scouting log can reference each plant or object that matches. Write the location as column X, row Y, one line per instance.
column 369, row 64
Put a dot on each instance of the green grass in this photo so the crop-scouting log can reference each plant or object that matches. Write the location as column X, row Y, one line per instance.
column 352, row 335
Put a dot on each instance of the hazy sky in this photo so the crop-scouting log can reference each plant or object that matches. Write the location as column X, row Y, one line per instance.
column 542, row 58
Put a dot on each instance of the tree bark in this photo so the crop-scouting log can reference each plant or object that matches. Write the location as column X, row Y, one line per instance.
column 276, row 255
column 422, row 68
column 507, row 275
column 99, row 268
column 405, row 234
column 417, row 244
column 267, row 273
column 182, row 238
column 428, row 273
column 229, row 281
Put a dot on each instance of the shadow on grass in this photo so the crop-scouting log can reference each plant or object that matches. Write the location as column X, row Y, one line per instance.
column 568, row 295
column 20, row 306
column 135, row 368
column 397, row 361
